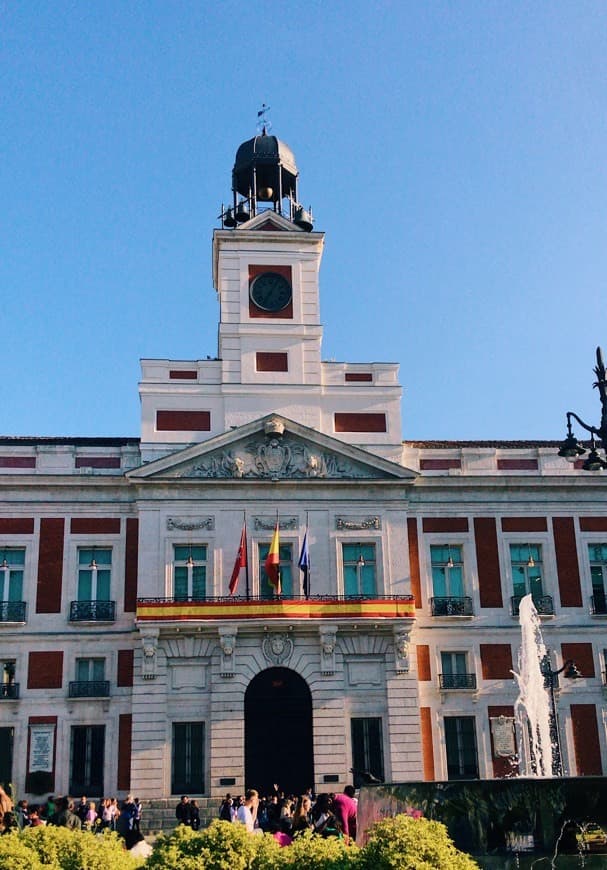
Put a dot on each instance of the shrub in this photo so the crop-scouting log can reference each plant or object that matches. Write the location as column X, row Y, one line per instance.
column 309, row 852
column 77, row 850
column 412, row 844
column 17, row 855
column 221, row 846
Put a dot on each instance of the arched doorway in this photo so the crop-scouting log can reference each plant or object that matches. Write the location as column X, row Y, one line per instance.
column 278, row 732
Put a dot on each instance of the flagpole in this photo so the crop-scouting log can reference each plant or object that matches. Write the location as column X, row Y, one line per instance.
column 309, row 561
column 246, row 544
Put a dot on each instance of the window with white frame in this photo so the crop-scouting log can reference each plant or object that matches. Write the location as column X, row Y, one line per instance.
column 189, row 572
column 447, row 571
column 455, row 672
column 12, row 564
column 526, row 562
column 597, row 556
column 285, row 568
column 90, row 670
column 94, row 573
column 360, row 569
column 460, row 744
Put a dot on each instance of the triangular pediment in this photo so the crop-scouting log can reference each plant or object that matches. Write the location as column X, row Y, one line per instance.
column 272, row 448
column 270, row 220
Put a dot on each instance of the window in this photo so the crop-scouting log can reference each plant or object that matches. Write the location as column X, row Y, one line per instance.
column 367, row 751
column 285, row 567
column 8, row 687
column 88, row 670
column 189, row 572
column 359, row 569
column 94, row 574
column 454, row 671
column 526, row 560
column 188, row 758
column 460, row 741
column 12, row 562
column 447, row 571
column 86, row 759
column 597, row 556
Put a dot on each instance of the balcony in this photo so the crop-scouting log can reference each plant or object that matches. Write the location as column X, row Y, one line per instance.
column 92, row 611
column 598, row 604
column 543, row 604
column 451, row 606
column 9, row 691
column 12, row 611
column 451, row 682
column 89, row 689
column 316, row 607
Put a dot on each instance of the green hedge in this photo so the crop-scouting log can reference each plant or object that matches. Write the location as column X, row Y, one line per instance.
column 61, row 849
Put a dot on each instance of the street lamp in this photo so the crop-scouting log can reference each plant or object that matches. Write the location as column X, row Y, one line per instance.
column 571, row 448
column 551, row 682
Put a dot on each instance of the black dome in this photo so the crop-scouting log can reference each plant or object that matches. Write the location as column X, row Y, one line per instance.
column 262, row 149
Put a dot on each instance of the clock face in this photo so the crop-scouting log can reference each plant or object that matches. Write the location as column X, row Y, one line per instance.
column 270, row 291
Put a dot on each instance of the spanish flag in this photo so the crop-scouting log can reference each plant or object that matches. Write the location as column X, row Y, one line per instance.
column 272, row 563
column 241, row 560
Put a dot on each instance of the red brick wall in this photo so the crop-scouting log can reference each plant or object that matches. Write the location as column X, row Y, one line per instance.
column 17, row 461
column 16, row 526
column 124, row 676
column 50, row 565
column 445, row 524
column 97, row 462
column 517, row 464
column 183, row 421
column 524, row 524
column 125, row 728
column 131, row 564
column 581, row 654
column 567, row 565
column 496, row 661
column 501, row 765
column 95, row 526
column 183, row 375
column 424, row 674
column 45, row 670
column 586, row 743
column 416, row 586
column 265, row 361
column 487, row 558
column 351, row 377
column 360, row 422
column 593, row 524
column 425, row 716
column 439, row 464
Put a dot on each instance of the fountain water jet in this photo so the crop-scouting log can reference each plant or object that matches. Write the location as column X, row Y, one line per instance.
column 532, row 708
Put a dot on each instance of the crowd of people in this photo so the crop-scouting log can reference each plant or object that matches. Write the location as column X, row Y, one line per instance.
column 284, row 816
column 63, row 812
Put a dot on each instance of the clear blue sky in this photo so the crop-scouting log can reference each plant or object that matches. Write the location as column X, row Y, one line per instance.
column 454, row 154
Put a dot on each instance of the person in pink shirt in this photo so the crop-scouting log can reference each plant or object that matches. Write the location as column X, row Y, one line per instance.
column 344, row 808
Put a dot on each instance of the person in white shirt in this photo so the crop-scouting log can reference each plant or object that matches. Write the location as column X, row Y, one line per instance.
column 247, row 812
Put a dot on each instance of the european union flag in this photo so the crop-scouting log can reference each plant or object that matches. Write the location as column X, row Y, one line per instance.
column 304, row 564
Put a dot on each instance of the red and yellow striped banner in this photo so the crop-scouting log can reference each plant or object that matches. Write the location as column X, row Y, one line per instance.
column 173, row 611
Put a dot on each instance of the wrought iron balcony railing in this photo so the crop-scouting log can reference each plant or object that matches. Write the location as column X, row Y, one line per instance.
column 598, row 604
column 277, row 607
column 12, row 611
column 89, row 689
column 457, row 681
column 451, row 606
column 92, row 611
column 9, row 691
column 543, row 604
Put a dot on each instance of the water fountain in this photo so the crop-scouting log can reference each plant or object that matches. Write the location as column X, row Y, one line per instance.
column 533, row 706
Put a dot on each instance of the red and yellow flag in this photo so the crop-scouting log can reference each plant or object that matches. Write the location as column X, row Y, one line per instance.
column 272, row 563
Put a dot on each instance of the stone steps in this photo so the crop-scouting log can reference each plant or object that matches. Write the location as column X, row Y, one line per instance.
column 158, row 816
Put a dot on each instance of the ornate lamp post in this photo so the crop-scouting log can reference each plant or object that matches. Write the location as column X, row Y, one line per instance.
column 571, row 448
column 551, row 682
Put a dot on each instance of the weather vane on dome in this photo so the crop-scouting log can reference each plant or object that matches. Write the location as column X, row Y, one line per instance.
column 263, row 124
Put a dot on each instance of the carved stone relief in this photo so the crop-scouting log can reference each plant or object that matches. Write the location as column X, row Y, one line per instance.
column 267, row 524
column 358, row 523
column 149, row 640
column 401, row 649
column 189, row 525
column 227, row 642
column 277, row 648
column 276, row 457
column 328, row 639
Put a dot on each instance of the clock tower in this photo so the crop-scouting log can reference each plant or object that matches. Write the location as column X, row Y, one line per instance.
column 266, row 262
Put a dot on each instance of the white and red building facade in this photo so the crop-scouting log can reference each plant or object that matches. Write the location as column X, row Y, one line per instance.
column 126, row 663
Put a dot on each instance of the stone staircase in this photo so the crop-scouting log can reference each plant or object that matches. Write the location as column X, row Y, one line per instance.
column 158, row 816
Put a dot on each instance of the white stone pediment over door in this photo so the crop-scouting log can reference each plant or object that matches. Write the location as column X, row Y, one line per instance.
column 273, row 448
